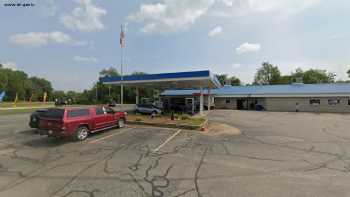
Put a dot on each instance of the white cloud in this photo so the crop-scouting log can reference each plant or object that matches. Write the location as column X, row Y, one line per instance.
column 48, row 7
column 86, row 17
column 10, row 65
column 216, row 31
column 338, row 36
column 90, row 59
column 173, row 15
column 246, row 7
column 248, row 48
column 228, row 3
column 83, row 43
column 170, row 15
column 59, row 37
column 37, row 39
column 236, row 65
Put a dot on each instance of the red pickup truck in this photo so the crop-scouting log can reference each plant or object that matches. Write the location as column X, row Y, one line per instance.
column 79, row 122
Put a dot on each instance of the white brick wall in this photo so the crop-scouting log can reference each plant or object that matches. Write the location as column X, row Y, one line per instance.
column 289, row 104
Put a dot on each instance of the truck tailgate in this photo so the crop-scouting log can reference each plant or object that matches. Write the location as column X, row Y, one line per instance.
column 50, row 124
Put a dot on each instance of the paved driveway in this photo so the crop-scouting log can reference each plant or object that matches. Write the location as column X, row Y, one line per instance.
column 278, row 154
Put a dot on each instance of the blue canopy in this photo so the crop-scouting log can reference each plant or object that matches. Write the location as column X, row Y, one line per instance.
column 193, row 79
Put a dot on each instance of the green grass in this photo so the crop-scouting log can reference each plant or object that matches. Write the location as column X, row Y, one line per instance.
column 15, row 111
column 8, row 108
column 25, row 104
column 193, row 121
column 18, row 108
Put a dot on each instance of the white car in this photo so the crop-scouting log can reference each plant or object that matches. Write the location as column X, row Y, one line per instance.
column 148, row 109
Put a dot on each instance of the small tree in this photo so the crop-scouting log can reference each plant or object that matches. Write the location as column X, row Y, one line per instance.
column 285, row 79
column 3, row 81
column 314, row 76
column 111, row 71
column 348, row 73
column 138, row 73
column 225, row 80
column 298, row 75
column 222, row 78
column 267, row 75
column 235, row 81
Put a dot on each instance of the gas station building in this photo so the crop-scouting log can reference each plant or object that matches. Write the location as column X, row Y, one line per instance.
column 199, row 90
column 202, row 81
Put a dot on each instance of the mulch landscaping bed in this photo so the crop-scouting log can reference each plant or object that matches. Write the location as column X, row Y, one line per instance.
column 165, row 121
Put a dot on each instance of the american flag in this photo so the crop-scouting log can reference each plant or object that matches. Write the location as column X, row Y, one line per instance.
column 122, row 37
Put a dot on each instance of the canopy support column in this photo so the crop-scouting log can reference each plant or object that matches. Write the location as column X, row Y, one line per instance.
column 137, row 96
column 201, row 99
column 121, row 94
column 209, row 99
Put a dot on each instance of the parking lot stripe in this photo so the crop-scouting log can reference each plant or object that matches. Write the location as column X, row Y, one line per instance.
column 108, row 136
column 166, row 141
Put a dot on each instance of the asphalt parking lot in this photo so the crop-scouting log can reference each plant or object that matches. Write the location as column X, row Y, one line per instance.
column 278, row 154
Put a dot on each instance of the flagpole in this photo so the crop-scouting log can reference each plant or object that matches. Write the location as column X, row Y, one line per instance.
column 121, row 72
column 121, row 68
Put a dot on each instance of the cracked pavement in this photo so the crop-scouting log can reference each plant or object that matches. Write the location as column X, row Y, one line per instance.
column 278, row 154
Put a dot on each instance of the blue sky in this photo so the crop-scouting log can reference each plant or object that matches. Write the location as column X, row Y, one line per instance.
column 69, row 42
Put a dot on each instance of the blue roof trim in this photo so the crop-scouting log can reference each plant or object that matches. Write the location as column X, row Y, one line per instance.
column 294, row 89
column 150, row 77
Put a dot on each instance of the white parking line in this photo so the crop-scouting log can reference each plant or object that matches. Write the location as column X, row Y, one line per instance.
column 108, row 136
column 149, row 127
column 166, row 141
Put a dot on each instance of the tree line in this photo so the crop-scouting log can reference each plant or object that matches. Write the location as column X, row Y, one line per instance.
column 269, row 74
column 18, row 84
column 101, row 93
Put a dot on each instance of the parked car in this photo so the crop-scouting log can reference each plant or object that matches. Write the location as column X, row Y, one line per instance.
column 148, row 109
column 60, row 102
column 79, row 122
column 35, row 118
column 112, row 103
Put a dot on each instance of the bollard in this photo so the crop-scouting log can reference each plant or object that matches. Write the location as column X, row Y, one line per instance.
column 172, row 116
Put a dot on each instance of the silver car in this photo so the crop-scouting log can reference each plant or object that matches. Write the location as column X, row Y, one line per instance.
column 148, row 109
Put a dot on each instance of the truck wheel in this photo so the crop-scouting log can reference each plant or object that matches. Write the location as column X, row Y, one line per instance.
column 81, row 134
column 121, row 123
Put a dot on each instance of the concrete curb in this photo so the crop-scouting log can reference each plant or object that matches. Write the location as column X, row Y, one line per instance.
column 205, row 125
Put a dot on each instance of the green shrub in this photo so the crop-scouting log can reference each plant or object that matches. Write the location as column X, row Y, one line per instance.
column 185, row 117
column 197, row 121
